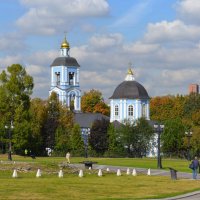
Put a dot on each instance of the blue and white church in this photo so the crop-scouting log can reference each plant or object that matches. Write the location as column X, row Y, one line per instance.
column 130, row 101
column 65, row 72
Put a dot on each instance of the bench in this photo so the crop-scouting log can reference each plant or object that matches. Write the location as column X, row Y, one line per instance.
column 88, row 164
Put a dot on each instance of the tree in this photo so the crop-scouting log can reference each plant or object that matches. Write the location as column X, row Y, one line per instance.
column 38, row 115
column 98, row 136
column 76, row 141
column 115, row 148
column 172, row 137
column 58, row 126
column 144, row 136
column 92, row 101
column 15, row 89
column 51, row 122
column 135, row 137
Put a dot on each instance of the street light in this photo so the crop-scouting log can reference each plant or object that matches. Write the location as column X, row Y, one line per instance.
column 159, row 129
column 9, row 137
column 188, row 135
column 85, row 135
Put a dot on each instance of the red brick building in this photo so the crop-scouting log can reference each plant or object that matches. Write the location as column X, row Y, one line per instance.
column 194, row 88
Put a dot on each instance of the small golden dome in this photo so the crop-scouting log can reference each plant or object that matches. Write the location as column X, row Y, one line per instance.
column 130, row 71
column 65, row 44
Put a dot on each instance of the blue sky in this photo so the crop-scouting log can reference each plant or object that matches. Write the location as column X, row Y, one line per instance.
column 161, row 38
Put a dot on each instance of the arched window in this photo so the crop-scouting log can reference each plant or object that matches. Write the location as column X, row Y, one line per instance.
column 143, row 110
column 116, row 110
column 130, row 110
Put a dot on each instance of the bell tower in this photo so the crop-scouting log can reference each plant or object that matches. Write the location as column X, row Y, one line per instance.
column 65, row 78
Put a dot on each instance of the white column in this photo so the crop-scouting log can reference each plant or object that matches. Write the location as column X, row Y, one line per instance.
column 125, row 109
column 120, row 109
column 78, row 72
column 136, row 109
column 62, row 75
column 74, row 79
column 52, row 79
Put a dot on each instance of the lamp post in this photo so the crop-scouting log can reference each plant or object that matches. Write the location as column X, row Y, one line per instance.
column 159, row 129
column 85, row 135
column 9, row 143
column 188, row 135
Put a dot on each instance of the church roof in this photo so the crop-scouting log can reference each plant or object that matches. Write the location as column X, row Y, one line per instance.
column 130, row 90
column 85, row 120
column 65, row 61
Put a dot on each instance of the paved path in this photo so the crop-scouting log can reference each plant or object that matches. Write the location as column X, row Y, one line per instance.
column 154, row 172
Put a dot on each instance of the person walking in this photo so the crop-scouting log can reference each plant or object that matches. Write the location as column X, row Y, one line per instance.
column 25, row 152
column 68, row 157
column 195, row 166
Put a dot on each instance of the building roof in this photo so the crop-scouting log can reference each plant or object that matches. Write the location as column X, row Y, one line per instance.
column 130, row 90
column 85, row 120
column 65, row 61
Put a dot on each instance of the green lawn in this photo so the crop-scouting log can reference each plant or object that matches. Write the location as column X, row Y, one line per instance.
column 90, row 187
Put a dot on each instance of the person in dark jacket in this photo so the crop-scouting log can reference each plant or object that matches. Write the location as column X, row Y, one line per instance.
column 195, row 163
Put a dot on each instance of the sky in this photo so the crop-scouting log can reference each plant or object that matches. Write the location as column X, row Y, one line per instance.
column 160, row 38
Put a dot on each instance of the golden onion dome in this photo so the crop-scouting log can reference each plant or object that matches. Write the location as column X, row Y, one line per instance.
column 65, row 44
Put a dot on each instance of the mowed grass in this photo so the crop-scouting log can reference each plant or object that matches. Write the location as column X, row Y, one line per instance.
column 89, row 187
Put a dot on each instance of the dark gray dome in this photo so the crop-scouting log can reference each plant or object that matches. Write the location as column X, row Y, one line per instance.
column 65, row 61
column 130, row 90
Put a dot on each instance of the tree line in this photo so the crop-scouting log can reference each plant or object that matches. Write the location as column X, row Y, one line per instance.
column 37, row 124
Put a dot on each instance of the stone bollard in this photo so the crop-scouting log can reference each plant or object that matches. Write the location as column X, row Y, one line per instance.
column 38, row 174
column 14, row 174
column 107, row 169
column 128, row 171
column 119, row 172
column 134, row 173
column 149, row 172
column 100, row 172
column 80, row 173
column 60, row 174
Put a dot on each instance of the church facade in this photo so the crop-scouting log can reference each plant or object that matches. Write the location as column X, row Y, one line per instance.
column 130, row 101
column 65, row 72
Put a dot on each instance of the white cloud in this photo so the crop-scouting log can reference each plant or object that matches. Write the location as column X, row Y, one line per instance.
column 46, row 17
column 171, row 32
column 188, row 11
column 9, row 60
column 139, row 47
column 106, row 41
column 179, row 77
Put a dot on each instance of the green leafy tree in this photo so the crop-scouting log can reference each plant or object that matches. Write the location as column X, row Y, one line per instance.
column 58, row 125
column 135, row 137
column 38, row 115
column 192, row 104
column 173, row 137
column 15, row 89
column 144, row 135
column 98, row 136
column 76, row 141
column 127, row 136
column 115, row 148
column 195, row 141
column 51, row 123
